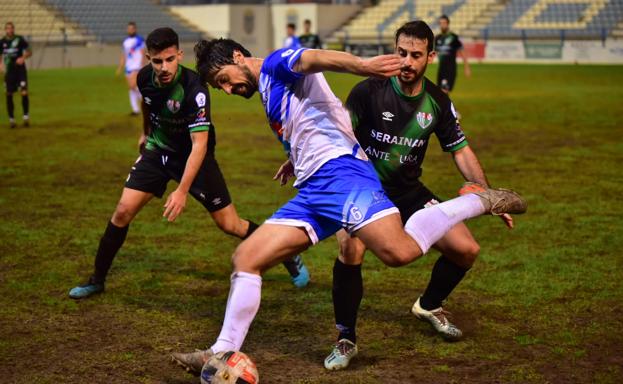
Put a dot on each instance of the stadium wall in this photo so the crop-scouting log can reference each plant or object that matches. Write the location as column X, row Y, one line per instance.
column 261, row 28
column 540, row 51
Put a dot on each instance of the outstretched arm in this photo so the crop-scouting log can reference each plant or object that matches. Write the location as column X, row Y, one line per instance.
column 317, row 60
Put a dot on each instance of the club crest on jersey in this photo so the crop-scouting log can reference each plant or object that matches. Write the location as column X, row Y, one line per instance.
column 173, row 105
column 424, row 119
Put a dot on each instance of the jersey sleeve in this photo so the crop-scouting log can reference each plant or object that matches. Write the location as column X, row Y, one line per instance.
column 199, row 100
column 23, row 44
column 357, row 102
column 458, row 45
column 279, row 64
column 448, row 131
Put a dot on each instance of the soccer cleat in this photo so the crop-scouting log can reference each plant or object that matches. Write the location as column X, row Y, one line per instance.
column 438, row 319
column 341, row 355
column 497, row 201
column 192, row 362
column 85, row 290
column 299, row 274
column 12, row 123
column 26, row 122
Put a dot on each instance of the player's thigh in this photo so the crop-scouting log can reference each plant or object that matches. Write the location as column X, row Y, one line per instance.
column 130, row 203
column 459, row 245
column 387, row 239
column 269, row 245
column 351, row 248
column 131, row 79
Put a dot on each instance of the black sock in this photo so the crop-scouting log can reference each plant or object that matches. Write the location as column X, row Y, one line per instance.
column 347, row 294
column 252, row 228
column 25, row 104
column 445, row 277
column 9, row 106
column 109, row 245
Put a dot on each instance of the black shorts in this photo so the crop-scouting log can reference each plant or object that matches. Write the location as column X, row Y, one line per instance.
column 416, row 198
column 16, row 78
column 152, row 171
column 446, row 76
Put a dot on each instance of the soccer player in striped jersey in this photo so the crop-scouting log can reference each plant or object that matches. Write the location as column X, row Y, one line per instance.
column 132, row 60
column 338, row 188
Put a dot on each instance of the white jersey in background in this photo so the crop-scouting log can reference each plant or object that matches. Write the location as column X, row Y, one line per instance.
column 133, row 49
column 305, row 115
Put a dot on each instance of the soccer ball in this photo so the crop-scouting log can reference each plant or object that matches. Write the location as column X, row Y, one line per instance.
column 229, row 368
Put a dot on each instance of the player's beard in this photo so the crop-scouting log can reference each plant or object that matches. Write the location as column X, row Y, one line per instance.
column 250, row 85
column 414, row 76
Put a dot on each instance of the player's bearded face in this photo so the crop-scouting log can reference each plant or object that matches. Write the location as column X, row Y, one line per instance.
column 415, row 58
column 236, row 79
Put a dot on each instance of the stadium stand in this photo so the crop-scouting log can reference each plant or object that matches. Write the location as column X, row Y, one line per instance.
column 40, row 23
column 107, row 20
column 498, row 19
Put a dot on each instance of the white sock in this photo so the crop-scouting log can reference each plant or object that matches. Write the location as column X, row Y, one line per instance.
column 135, row 99
column 242, row 305
column 427, row 226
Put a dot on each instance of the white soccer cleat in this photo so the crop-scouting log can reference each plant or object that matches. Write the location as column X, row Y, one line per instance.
column 341, row 355
column 438, row 319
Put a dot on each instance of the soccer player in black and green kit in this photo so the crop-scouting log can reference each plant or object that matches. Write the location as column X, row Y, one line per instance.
column 178, row 143
column 448, row 46
column 393, row 120
column 14, row 53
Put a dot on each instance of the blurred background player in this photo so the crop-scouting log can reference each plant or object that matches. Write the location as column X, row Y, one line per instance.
column 14, row 53
column 132, row 60
column 448, row 46
column 179, row 144
column 396, row 144
column 309, row 39
column 291, row 41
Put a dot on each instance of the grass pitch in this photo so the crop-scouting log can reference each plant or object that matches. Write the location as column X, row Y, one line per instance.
column 542, row 304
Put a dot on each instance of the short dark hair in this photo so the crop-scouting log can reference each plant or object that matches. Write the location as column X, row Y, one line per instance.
column 9, row 23
column 162, row 38
column 132, row 23
column 445, row 17
column 291, row 25
column 307, row 21
column 212, row 55
column 418, row 29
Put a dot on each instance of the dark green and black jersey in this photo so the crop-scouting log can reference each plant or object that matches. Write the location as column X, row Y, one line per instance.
column 12, row 49
column 310, row 41
column 393, row 128
column 176, row 110
column 447, row 45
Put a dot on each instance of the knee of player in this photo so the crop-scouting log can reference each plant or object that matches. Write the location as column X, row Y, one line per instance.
column 471, row 253
column 243, row 260
column 398, row 256
column 351, row 253
column 123, row 215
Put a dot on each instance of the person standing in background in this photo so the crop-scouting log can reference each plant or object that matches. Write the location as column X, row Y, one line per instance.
column 132, row 58
column 309, row 39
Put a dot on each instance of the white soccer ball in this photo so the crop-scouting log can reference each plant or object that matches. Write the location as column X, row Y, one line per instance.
column 229, row 368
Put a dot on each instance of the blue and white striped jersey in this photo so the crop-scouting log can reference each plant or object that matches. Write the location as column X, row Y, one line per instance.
column 305, row 115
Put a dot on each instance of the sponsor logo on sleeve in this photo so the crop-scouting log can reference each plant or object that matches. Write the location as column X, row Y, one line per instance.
column 200, row 99
column 201, row 114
